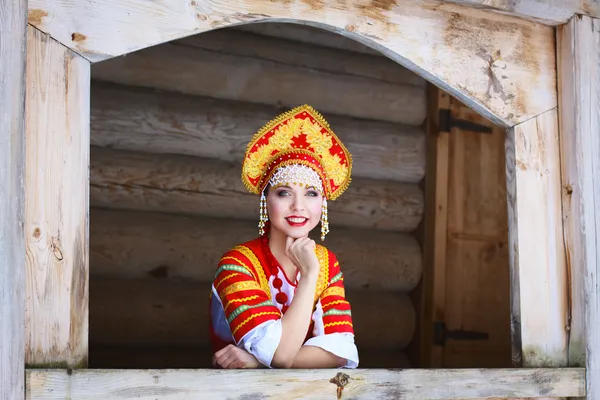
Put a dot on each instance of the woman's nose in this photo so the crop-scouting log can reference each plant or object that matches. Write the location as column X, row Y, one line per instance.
column 297, row 204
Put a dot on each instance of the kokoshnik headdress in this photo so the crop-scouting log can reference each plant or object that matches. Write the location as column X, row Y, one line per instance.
column 298, row 147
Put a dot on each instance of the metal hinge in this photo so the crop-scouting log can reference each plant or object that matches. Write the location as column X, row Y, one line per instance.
column 441, row 334
column 447, row 122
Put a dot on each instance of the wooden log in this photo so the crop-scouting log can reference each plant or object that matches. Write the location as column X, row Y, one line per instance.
column 56, row 204
column 180, row 184
column 129, row 357
column 136, row 245
column 307, row 34
column 315, row 384
column 226, row 76
column 242, row 42
column 537, row 254
column 147, row 121
column 160, row 312
column 13, row 23
column 502, row 67
column 579, row 114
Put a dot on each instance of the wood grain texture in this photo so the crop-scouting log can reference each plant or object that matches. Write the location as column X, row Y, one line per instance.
column 190, row 185
column 137, row 245
column 503, row 67
column 579, row 89
column 223, row 75
column 307, row 34
column 157, row 122
column 159, row 312
column 56, row 204
column 313, row 56
column 476, row 267
column 432, row 295
column 418, row 384
column 536, row 247
column 13, row 44
column 550, row 12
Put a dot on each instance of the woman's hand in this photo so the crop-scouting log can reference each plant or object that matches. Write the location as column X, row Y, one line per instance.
column 302, row 252
column 233, row 357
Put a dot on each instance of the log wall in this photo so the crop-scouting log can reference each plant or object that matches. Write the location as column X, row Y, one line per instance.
column 169, row 126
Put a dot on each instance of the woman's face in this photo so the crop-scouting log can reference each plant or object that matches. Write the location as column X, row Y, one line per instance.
column 294, row 210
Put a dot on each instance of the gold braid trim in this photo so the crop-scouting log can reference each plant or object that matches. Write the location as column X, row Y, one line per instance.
column 239, row 262
column 331, row 303
column 240, row 300
column 264, row 283
column 239, row 286
column 334, row 291
column 323, row 280
column 254, row 316
column 337, row 324
column 225, row 278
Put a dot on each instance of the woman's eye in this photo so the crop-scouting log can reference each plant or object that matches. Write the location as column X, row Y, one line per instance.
column 312, row 193
column 283, row 193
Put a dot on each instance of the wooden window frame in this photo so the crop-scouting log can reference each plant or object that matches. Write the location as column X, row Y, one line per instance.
column 550, row 110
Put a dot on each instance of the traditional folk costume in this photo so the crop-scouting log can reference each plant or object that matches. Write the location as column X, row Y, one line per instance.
column 250, row 292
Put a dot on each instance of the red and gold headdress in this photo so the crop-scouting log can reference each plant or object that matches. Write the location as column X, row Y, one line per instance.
column 286, row 146
column 299, row 136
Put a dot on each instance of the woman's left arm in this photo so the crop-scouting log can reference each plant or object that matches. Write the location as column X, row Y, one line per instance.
column 332, row 342
column 317, row 357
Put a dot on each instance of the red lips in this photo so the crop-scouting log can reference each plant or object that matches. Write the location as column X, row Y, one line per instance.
column 296, row 224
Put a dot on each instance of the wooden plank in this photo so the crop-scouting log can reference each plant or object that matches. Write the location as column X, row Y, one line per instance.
column 307, row 34
column 579, row 110
column 136, row 245
column 316, row 384
column 174, row 357
column 148, row 121
column 228, row 76
column 476, row 261
column 313, row 56
column 56, row 204
column 433, row 287
column 550, row 12
column 159, row 312
column 537, row 252
column 190, row 185
column 502, row 67
column 13, row 22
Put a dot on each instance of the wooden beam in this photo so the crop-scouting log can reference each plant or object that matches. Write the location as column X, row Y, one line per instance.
column 308, row 34
column 13, row 22
column 196, row 71
column 501, row 66
column 136, row 245
column 433, row 284
column 56, row 204
column 536, row 248
column 191, row 185
column 579, row 110
column 157, row 122
column 417, row 384
column 314, row 56
column 550, row 12
column 159, row 312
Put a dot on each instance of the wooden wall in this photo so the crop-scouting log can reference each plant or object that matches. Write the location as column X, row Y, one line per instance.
column 169, row 126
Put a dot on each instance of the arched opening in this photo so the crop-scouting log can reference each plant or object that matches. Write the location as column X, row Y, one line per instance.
column 421, row 235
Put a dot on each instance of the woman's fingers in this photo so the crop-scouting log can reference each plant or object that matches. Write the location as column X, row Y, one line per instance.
column 223, row 355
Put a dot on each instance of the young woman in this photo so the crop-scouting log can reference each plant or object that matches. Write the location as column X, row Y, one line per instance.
column 278, row 301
